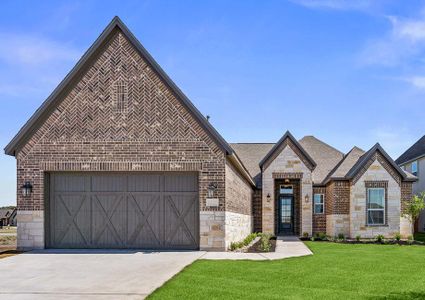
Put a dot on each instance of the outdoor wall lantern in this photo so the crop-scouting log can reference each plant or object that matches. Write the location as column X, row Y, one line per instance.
column 211, row 189
column 268, row 197
column 26, row 189
column 306, row 198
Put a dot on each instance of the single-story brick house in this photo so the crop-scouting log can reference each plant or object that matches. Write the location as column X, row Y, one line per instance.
column 118, row 157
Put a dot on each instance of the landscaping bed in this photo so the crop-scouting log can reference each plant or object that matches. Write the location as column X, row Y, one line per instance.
column 258, row 248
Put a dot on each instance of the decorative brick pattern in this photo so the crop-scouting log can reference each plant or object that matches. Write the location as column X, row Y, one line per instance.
column 155, row 132
column 286, row 175
column 319, row 220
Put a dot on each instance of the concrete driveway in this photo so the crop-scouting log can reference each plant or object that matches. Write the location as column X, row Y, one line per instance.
column 89, row 274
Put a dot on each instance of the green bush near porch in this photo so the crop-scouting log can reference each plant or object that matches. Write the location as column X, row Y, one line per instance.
column 335, row 271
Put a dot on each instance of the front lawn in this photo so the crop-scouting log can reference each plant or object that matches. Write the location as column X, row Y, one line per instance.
column 335, row 271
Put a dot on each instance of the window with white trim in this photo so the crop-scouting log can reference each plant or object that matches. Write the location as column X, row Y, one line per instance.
column 375, row 206
column 415, row 167
column 319, row 203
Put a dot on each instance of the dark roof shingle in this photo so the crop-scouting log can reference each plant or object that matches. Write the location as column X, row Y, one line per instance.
column 416, row 150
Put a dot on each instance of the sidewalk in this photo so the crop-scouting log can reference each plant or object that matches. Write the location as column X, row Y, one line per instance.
column 285, row 247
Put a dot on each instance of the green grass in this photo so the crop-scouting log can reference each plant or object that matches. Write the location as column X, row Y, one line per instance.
column 335, row 271
column 420, row 236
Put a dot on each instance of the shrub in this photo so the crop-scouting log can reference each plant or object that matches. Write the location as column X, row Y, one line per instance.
column 265, row 244
column 245, row 242
column 410, row 239
column 312, row 239
column 358, row 237
column 323, row 236
column 305, row 234
column 380, row 238
column 233, row 246
column 341, row 236
column 397, row 237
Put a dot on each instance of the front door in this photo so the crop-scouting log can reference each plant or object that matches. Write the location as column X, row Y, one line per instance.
column 286, row 210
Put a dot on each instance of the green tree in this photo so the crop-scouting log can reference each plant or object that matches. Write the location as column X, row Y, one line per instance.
column 414, row 207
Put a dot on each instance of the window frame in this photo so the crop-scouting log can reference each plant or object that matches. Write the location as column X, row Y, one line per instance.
column 376, row 209
column 322, row 203
column 415, row 162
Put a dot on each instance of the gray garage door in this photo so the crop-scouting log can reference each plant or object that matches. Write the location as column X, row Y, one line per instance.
column 135, row 210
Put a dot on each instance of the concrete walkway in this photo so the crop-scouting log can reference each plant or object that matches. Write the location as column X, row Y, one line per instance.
column 285, row 247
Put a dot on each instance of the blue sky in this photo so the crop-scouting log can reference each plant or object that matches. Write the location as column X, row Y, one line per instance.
column 348, row 72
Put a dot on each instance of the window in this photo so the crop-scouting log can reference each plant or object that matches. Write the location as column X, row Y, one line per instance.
column 319, row 203
column 415, row 167
column 375, row 206
column 286, row 189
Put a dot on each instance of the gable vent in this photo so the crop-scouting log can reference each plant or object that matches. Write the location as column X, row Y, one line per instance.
column 121, row 96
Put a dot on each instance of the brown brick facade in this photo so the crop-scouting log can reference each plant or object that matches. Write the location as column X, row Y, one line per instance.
column 239, row 192
column 257, row 206
column 406, row 195
column 86, row 131
column 319, row 220
column 337, row 198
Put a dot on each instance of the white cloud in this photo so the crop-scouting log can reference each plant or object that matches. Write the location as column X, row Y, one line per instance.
column 416, row 81
column 405, row 40
column 336, row 4
column 33, row 50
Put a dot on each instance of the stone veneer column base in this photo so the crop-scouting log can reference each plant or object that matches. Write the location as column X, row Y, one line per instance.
column 406, row 228
column 30, row 229
column 336, row 224
column 238, row 226
column 212, row 226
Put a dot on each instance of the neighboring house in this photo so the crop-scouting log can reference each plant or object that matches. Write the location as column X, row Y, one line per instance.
column 413, row 161
column 8, row 217
column 118, row 157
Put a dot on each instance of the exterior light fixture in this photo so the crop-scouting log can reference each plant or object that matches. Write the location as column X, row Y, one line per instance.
column 307, row 198
column 26, row 189
column 268, row 197
column 287, row 180
column 211, row 189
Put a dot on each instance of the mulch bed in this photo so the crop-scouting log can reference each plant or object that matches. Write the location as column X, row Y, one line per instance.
column 256, row 247
column 371, row 241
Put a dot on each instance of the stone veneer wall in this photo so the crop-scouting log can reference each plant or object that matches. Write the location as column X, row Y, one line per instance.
column 358, row 223
column 287, row 164
column 86, row 132
column 30, row 229
column 212, row 230
column 237, row 227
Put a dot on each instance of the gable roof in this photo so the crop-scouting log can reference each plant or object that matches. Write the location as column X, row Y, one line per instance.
column 368, row 155
column 275, row 148
column 345, row 165
column 250, row 155
column 415, row 151
column 325, row 156
column 63, row 88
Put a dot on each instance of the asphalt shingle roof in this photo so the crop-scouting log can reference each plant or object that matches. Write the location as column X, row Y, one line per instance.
column 416, row 150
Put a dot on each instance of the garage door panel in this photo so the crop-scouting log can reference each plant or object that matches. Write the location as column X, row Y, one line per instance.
column 133, row 210
column 144, row 220
column 72, row 212
column 144, row 183
column 109, row 220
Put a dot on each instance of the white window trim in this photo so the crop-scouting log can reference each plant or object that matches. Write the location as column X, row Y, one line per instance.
column 374, row 209
column 323, row 204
